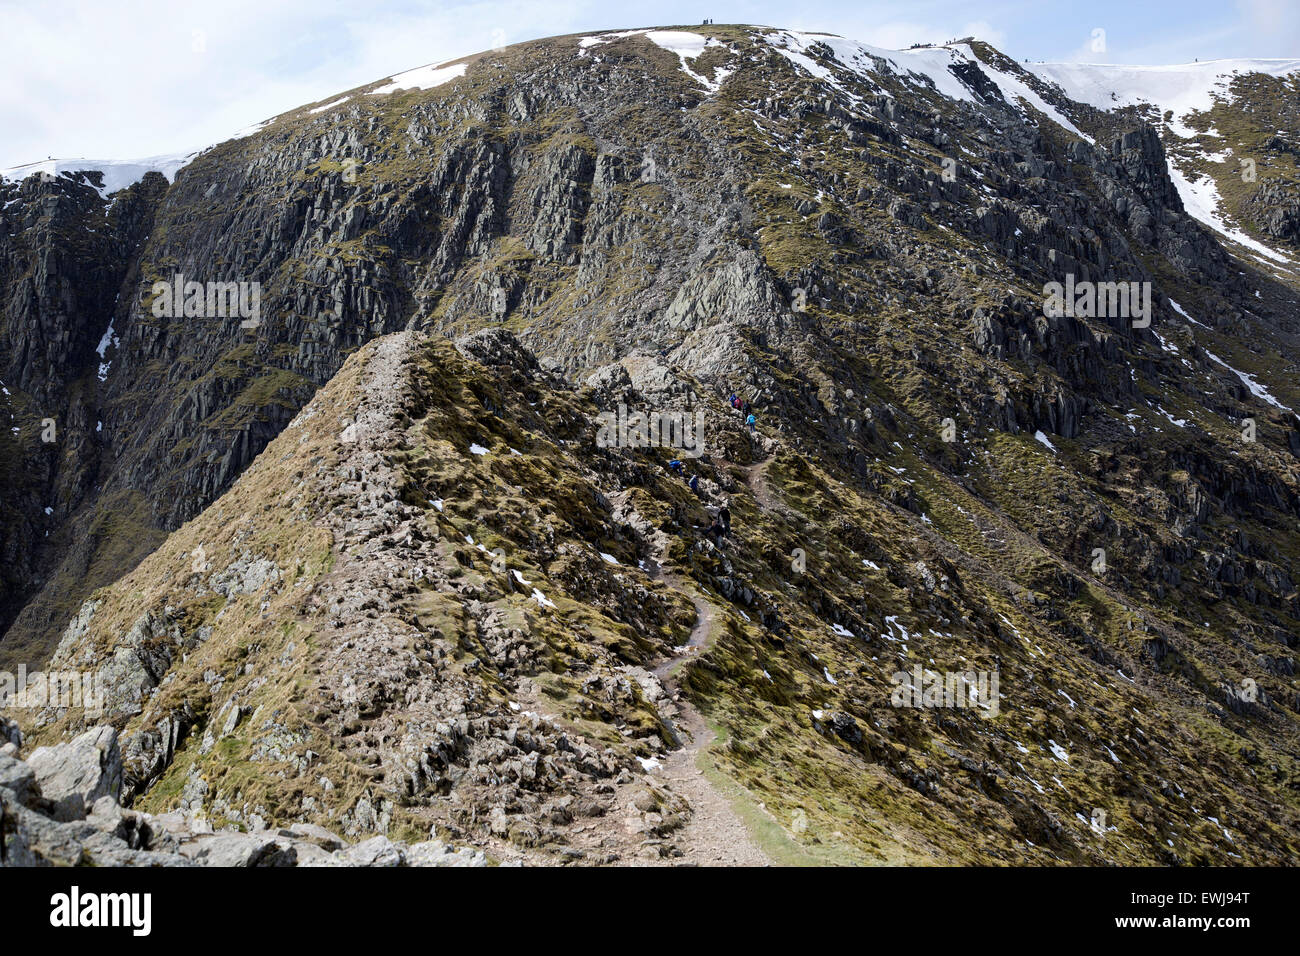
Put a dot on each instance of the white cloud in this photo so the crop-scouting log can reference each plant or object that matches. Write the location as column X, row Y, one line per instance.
column 169, row 76
column 1273, row 25
column 899, row 34
column 1093, row 48
column 79, row 80
column 983, row 30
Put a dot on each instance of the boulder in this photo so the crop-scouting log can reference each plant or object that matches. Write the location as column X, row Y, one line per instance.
column 239, row 850
column 377, row 851
column 74, row 775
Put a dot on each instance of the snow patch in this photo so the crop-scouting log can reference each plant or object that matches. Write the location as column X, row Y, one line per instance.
column 330, row 106
column 1201, row 201
column 422, row 78
column 688, row 46
column 1259, row 391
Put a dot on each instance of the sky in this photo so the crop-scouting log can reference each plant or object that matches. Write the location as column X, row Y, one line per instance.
column 129, row 79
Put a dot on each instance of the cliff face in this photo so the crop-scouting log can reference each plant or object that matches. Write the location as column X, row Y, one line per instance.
column 67, row 259
column 857, row 243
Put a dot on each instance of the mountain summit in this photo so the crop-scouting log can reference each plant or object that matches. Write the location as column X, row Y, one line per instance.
column 716, row 444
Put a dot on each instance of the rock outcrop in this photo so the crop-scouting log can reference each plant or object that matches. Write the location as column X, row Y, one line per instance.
column 59, row 807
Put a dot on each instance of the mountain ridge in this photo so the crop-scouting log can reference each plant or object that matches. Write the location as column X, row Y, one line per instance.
column 863, row 259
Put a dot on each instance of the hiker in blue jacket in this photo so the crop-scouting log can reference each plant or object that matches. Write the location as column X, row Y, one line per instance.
column 750, row 422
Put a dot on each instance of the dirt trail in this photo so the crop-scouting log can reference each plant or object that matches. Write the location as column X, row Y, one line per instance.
column 715, row 835
column 756, row 479
column 699, row 633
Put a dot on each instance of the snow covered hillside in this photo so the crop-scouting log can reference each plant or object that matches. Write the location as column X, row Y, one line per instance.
column 117, row 174
column 1179, row 89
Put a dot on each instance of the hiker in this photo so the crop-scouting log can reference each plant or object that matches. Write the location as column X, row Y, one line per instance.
column 724, row 515
column 716, row 533
column 694, row 484
column 750, row 422
column 677, row 466
column 731, row 400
